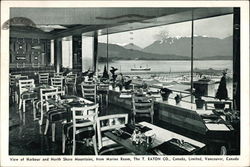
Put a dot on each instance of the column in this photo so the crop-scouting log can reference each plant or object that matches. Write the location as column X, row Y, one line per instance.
column 236, row 59
column 58, row 54
column 77, row 52
column 95, row 63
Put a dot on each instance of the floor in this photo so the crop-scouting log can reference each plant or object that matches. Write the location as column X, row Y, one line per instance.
column 28, row 138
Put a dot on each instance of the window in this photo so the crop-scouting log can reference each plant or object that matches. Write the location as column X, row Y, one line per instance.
column 87, row 53
column 67, row 52
column 161, row 55
column 213, row 51
column 52, row 52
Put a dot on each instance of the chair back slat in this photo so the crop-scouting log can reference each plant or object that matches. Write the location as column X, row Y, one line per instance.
column 59, row 74
column 57, row 82
column 143, row 105
column 52, row 95
column 89, row 91
column 25, row 85
column 70, row 79
column 84, row 116
column 109, row 122
column 13, row 79
column 43, row 78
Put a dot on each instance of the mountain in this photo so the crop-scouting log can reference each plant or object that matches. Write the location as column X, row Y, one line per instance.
column 204, row 47
column 117, row 52
column 132, row 46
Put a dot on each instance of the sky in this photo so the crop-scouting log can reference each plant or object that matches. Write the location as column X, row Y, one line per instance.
column 219, row 27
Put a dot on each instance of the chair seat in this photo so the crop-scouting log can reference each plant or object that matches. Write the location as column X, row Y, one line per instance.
column 113, row 149
column 55, row 115
column 81, row 132
column 29, row 95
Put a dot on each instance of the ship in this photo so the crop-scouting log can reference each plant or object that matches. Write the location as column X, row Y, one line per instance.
column 140, row 68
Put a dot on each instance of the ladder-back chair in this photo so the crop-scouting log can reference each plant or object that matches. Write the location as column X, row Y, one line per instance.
column 89, row 91
column 107, row 123
column 83, row 126
column 43, row 78
column 142, row 106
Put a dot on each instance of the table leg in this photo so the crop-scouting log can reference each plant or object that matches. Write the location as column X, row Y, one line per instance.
column 24, row 106
column 34, row 110
column 53, row 126
column 20, row 103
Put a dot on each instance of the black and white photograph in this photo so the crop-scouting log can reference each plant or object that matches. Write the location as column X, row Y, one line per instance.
column 125, row 83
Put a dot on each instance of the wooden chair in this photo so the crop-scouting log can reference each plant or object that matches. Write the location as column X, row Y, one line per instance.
column 59, row 74
column 83, row 126
column 103, row 90
column 142, row 106
column 57, row 82
column 12, row 83
column 106, row 123
column 70, row 81
column 43, row 78
column 24, row 86
column 40, row 104
column 89, row 91
column 54, row 113
column 22, row 77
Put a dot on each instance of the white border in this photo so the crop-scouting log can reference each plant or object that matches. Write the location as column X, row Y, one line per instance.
column 243, row 159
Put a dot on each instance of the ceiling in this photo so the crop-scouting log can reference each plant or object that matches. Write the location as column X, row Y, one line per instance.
column 60, row 22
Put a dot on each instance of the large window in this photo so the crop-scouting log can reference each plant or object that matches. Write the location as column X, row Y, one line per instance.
column 67, row 52
column 162, row 55
column 52, row 52
column 87, row 53
column 213, row 51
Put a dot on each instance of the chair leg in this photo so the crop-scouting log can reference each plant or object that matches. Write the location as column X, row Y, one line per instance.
column 20, row 104
column 24, row 101
column 66, row 89
column 53, row 131
column 74, row 146
column 63, row 141
column 24, row 118
column 107, row 100
column 20, row 115
column 46, row 127
column 152, row 119
column 34, row 110
column 15, row 97
column 134, row 118
column 101, row 99
column 41, row 119
column 95, row 144
column 75, row 90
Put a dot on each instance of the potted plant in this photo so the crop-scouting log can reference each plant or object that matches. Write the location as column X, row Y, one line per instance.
column 178, row 99
column 221, row 93
column 198, row 98
column 114, row 76
column 105, row 75
column 127, row 82
column 165, row 92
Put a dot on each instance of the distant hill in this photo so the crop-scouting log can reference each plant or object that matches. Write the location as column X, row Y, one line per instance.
column 217, row 58
column 204, row 47
column 117, row 52
column 132, row 46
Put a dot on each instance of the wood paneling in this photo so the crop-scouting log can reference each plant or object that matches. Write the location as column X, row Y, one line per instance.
column 77, row 52
column 29, row 51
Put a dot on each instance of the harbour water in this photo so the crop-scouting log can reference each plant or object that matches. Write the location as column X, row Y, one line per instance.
column 169, row 66
column 175, row 74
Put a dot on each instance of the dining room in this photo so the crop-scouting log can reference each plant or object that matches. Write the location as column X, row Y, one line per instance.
column 74, row 91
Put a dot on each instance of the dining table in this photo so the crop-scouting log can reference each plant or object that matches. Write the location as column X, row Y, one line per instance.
column 163, row 141
column 67, row 102
column 32, row 93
